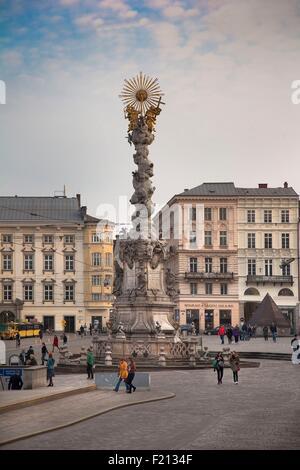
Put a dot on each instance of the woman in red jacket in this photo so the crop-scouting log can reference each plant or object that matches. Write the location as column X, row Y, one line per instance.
column 221, row 333
column 55, row 343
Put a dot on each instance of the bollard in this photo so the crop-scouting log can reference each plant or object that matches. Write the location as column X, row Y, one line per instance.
column 162, row 357
column 108, row 357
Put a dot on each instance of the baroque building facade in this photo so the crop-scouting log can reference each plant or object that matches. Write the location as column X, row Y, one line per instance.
column 48, row 270
column 98, row 277
column 232, row 245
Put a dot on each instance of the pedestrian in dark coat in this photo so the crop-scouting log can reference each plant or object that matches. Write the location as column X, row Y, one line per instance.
column 218, row 366
column 229, row 334
column 236, row 333
column 131, row 374
column 65, row 338
column 29, row 353
column 266, row 333
column 44, row 353
column 18, row 340
column 273, row 329
column 234, row 362
column 15, row 382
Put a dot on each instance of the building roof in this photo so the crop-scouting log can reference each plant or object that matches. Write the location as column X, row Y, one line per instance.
column 267, row 312
column 43, row 209
column 230, row 190
column 90, row 219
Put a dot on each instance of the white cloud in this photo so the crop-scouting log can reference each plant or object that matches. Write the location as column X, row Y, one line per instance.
column 12, row 58
column 89, row 21
column 118, row 6
column 68, row 2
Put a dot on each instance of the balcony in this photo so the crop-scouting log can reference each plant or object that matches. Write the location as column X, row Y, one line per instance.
column 209, row 276
column 253, row 279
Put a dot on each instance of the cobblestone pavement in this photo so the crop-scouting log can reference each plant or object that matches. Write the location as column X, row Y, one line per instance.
column 262, row 412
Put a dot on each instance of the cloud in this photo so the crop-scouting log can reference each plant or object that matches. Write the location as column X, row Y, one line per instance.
column 89, row 21
column 118, row 6
column 12, row 58
column 68, row 2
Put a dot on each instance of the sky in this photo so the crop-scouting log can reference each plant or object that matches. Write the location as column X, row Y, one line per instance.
column 226, row 68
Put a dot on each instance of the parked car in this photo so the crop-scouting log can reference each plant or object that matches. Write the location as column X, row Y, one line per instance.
column 212, row 331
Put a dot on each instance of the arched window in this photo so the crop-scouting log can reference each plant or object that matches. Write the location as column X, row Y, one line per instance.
column 251, row 291
column 6, row 317
column 286, row 292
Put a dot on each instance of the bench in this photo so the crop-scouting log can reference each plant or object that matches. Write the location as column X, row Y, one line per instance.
column 108, row 380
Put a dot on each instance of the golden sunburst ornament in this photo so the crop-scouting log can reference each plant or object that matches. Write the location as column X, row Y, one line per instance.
column 141, row 92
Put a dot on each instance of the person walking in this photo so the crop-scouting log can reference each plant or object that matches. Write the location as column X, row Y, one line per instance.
column 90, row 361
column 22, row 357
column 18, row 340
column 131, row 374
column 44, row 353
column 122, row 373
column 65, row 338
column 266, row 333
column 29, row 353
column 55, row 343
column 221, row 333
column 218, row 365
column 236, row 333
column 91, row 329
column 273, row 329
column 81, row 330
column 50, row 369
column 243, row 332
column 229, row 334
column 15, row 382
column 234, row 362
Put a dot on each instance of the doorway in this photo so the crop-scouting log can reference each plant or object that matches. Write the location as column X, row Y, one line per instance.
column 97, row 322
column 209, row 319
column 193, row 316
column 70, row 324
column 225, row 317
column 49, row 323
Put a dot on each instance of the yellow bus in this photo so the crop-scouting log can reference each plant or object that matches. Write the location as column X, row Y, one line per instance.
column 26, row 330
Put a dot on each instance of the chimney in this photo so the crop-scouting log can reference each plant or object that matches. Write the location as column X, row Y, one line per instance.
column 78, row 196
column 186, row 189
column 263, row 185
column 83, row 210
column 285, row 184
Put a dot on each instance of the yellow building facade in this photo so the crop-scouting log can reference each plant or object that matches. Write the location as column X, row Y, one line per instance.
column 98, row 271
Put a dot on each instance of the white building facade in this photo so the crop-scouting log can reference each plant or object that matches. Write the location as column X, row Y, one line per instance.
column 268, row 223
column 42, row 263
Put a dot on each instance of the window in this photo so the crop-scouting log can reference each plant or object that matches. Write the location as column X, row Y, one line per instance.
column 28, row 238
column 223, row 289
column 28, row 263
column 69, row 239
column 6, row 238
column 208, row 238
column 48, row 262
column 208, row 288
column 28, row 292
column 69, row 292
column 251, row 291
column 96, row 280
column 96, row 259
column 267, row 216
column 251, row 240
column 107, row 281
column 7, row 292
column 268, row 267
column 223, row 213
column 223, row 238
column 268, row 240
column 250, row 216
column 96, row 297
column 207, row 213
column 285, row 216
column 193, row 286
column 96, row 238
column 193, row 238
column 48, row 239
column 193, row 265
column 223, row 265
column 108, row 237
column 69, row 262
column 48, row 292
column 193, row 213
column 285, row 240
column 208, row 265
column 251, row 267
column 108, row 259
column 7, row 262
column 286, row 292
column 286, row 270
